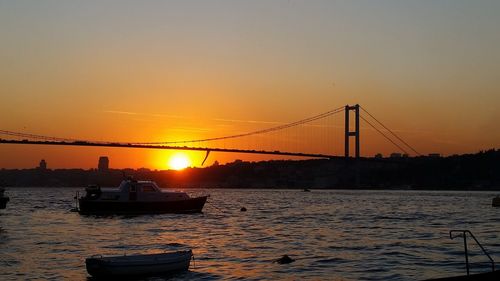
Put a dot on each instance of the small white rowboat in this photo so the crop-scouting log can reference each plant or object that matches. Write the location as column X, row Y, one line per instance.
column 139, row 265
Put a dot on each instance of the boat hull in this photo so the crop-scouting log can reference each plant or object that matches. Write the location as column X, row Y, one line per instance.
column 141, row 265
column 3, row 202
column 192, row 205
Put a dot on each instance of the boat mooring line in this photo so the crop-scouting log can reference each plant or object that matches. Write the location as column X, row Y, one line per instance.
column 213, row 205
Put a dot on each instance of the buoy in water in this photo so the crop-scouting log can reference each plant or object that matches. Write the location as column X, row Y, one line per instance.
column 496, row 201
column 285, row 259
column 243, row 209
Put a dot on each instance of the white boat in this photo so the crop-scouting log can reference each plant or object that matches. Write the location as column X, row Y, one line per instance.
column 137, row 197
column 139, row 265
column 3, row 199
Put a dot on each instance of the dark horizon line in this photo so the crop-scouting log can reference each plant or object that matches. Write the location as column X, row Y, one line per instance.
column 343, row 159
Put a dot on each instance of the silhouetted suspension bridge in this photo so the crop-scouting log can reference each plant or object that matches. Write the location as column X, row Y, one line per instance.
column 314, row 133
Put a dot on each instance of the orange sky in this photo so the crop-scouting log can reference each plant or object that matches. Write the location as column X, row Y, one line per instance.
column 149, row 71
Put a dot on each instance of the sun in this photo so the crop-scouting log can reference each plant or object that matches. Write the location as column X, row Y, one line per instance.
column 178, row 161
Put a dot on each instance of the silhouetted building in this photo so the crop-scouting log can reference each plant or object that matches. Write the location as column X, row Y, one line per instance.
column 379, row 156
column 103, row 165
column 395, row 155
column 43, row 165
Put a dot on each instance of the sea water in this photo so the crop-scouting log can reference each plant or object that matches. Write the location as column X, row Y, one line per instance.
column 331, row 234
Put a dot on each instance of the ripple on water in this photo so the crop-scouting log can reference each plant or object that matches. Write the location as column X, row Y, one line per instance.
column 334, row 235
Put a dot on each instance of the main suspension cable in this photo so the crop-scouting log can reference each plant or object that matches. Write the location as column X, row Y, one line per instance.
column 390, row 131
column 263, row 131
column 33, row 136
column 382, row 133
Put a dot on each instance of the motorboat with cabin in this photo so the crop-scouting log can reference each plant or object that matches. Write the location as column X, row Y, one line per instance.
column 3, row 199
column 137, row 197
column 138, row 265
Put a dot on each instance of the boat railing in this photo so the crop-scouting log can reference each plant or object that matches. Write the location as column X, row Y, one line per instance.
column 463, row 233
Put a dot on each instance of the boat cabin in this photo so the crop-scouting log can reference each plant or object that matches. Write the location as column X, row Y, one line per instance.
column 132, row 190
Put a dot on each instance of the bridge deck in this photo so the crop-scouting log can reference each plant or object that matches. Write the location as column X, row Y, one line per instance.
column 130, row 145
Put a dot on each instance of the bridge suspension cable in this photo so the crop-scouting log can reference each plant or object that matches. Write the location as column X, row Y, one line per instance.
column 38, row 137
column 253, row 146
column 314, row 139
column 258, row 132
column 389, row 130
column 382, row 133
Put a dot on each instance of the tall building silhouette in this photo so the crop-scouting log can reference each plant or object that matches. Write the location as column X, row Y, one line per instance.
column 103, row 165
column 43, row 165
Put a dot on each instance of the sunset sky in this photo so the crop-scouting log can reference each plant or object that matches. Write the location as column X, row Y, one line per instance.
column 148, row 71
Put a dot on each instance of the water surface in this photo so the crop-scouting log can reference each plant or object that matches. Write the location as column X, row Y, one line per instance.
column 332, row 234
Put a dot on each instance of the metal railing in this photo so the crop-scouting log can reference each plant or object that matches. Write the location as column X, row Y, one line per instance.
column 463, row 233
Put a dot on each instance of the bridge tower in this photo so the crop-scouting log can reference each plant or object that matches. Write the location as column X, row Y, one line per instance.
column 348, row 132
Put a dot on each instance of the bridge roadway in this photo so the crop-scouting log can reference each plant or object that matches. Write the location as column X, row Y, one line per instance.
column 129, row 145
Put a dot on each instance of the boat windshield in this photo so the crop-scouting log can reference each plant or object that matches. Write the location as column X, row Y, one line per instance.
column 148, row 188
column 123, row 185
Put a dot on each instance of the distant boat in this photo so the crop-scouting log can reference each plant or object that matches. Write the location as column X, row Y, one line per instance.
column 3, row 199
column 137, row 197
column 138, row 265
column 496, row 201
